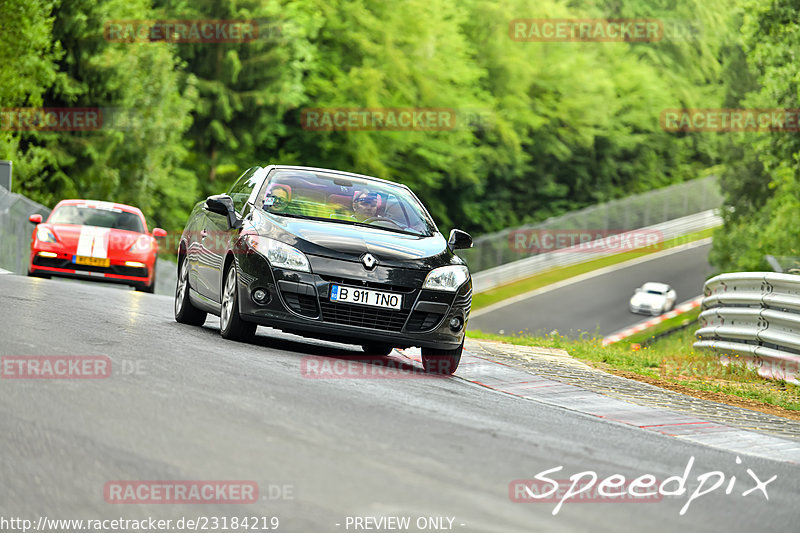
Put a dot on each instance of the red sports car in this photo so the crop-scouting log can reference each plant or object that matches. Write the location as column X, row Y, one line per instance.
column 95, row 240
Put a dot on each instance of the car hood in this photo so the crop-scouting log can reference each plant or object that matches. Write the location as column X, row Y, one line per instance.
column 93, row 241
column 350, row 242
column 652, row 300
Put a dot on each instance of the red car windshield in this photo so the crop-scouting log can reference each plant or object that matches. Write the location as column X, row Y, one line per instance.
column 100, row 217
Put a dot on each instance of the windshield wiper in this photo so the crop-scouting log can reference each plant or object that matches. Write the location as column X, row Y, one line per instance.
column 395, row 230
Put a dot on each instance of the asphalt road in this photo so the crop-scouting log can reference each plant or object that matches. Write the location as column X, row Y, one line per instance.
column 599, row 305
column 181, row 403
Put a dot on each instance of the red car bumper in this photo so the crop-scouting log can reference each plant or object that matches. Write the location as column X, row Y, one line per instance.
column 117, row 271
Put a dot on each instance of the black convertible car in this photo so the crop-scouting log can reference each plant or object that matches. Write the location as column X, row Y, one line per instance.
column 326, row 254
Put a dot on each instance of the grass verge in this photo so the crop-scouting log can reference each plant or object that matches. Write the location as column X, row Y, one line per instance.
column 672, row 363
column 555, row 275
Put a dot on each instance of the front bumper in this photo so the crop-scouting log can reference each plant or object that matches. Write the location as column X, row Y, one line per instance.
column 116, row 272
column 645, row 310
column 299, row 302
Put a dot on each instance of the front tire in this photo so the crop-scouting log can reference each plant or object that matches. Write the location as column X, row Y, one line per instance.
column 436, row 361
column 231, row 325
column 185, row 312
column 149, row 289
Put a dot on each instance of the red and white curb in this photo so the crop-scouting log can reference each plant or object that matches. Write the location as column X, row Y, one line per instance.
column 625, row 333
column 687, row 427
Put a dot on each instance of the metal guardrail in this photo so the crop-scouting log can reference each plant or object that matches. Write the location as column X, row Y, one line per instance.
column 624, row 214
column 524, row 268
column 753, row 317
column 16, row 232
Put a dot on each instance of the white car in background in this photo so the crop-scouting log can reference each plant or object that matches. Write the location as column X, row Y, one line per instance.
column 653, row 298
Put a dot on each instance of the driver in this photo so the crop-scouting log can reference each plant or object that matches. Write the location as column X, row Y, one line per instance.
column 365, row 205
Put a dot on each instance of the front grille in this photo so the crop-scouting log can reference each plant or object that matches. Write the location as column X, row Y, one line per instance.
column 129, row 271
column 423, row 321
column 301, row 304
column 363, row 316
column 363, row 284
column 52, row 262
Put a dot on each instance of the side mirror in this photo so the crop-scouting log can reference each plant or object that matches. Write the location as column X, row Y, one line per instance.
column 159, row 233
column 222, row 204
column 36, row 219
column 459, row 239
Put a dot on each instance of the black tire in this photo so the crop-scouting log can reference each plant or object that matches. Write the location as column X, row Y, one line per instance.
column 437, row 361
column 377, row 348
column 149, row 289
column 231, row 325
column 185, row 312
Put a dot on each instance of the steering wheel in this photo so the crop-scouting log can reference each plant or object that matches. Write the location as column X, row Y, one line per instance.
column 370, row 220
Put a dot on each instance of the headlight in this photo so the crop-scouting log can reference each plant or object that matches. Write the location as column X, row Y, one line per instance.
column 278, row 254
column 446, row 278
column 141, row 245
column 44, row 234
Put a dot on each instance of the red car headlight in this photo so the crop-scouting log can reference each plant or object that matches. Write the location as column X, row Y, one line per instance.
column 45, row 234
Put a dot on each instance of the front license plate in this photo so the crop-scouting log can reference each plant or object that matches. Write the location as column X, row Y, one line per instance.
column 354, row 295
column 93, row 261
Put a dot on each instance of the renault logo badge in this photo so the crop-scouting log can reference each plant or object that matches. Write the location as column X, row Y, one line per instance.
column 369, row 261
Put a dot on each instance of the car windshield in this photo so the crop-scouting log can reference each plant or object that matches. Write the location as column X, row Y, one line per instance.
column 103, row 217
column 653, row 291
column 345, row 199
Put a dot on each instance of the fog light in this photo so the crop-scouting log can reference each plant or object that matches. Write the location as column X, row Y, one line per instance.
column 48, row 254
column 135, row 264
column 260, row 296
column 456, row 324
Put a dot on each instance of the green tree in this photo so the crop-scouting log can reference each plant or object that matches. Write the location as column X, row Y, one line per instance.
column 762, row 183
column 136, row 161
column 244, row 88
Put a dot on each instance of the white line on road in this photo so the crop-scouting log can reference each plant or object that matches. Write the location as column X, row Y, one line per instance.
column 589, row 275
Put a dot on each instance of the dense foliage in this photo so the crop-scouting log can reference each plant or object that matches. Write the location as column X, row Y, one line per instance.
column 543, row 127
column 762, row 180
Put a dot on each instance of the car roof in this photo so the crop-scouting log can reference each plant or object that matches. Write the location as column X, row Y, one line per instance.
column 655, row 286
column 101, row 204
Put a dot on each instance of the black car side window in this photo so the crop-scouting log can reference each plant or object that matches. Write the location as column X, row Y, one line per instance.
column 241, row 190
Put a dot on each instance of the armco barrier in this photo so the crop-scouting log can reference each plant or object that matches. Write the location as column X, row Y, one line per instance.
column 624, row 214
column 16, row 232
column 753, row 317
column 524, row 268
